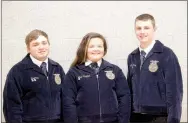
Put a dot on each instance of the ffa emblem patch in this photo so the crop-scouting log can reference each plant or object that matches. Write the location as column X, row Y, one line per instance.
column 57, row 79
column 110, row 75
column 153, row 67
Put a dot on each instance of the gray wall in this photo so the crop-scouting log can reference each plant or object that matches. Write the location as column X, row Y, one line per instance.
column 66, row 22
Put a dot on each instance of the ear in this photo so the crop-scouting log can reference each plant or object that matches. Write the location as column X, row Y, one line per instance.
column 49, row 42
column 155, row 28
column 28, row 50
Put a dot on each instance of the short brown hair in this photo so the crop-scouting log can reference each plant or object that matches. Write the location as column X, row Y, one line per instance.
column 145, row 17
column 81, row 54
column 33, row 35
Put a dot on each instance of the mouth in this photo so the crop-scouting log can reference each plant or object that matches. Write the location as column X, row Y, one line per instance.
column 41, row 52
column 95, row 53
column 142, row 36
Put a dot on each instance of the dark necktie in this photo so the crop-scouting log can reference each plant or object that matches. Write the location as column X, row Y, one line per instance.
column 142, row 58
column 95, row 66
column 43, row 67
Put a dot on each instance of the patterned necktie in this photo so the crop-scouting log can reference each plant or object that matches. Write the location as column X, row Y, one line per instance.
column 95, row 66
column 43, row 67
column 142, row 58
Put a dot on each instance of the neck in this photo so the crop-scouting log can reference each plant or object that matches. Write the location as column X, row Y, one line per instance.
column 145, row 44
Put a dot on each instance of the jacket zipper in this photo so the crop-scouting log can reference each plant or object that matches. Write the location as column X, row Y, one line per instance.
column 48, row 84
column 100, row 111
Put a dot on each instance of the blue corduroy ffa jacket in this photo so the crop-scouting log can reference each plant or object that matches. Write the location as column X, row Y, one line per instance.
column 30, row 96
column 157, row 87
column 90, row 97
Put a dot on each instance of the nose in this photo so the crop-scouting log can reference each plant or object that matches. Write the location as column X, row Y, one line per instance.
column 96, row 49
column 41, row 46
column 141, row 30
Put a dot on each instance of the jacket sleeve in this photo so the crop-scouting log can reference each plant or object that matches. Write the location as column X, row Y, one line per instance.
column 123, row 96
column 174, row 88
column 12, row 105
column 69, row 99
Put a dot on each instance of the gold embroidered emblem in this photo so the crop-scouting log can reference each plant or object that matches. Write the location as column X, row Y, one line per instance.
column 57, row 79
column 153, row 67
column 110, row 75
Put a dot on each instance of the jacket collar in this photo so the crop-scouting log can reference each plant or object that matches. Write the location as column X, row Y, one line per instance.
column 158, row 47
column 29, row 64
column 104, row 64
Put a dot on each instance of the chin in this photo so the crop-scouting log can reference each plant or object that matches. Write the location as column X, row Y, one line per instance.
column 98, row 59
column 43, row 58
column 143, row 41
column 94, row 60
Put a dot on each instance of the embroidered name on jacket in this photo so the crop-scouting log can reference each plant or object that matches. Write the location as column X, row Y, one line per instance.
column 83, row 76
column 34, row 79
column 132, row 65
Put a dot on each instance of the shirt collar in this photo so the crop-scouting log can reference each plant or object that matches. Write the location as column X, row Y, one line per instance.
column 37, row 62
column 148, row 49
column 88, row 62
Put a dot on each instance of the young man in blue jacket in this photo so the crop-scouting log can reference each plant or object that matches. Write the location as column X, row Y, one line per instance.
column 33, row 88
column 154, row 76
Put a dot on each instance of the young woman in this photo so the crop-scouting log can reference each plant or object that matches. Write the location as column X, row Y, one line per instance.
column 95, row 91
